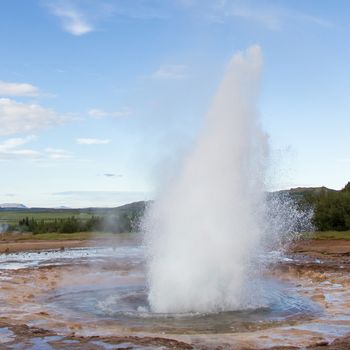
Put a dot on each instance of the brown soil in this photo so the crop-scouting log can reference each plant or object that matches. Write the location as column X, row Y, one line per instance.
column 9, row 247
column 21, row 306
column 322, row 247
column 316, row 248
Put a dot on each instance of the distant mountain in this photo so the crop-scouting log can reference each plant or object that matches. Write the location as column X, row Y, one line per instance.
column 12, row 206
column 134, row 208
column 138, row 208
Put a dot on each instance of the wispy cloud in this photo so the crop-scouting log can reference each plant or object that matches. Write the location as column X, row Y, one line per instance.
column 311, row 19
column 171, row 71
column 92, row 141
column 13, row 143
column 11, row 149
column 17, row 117
column 268, row 15
column 18, row 89
column 57, row 153
column 73, row 19
column 267, row 18
column 141, row 10
column 81, row 17
column 99, row 113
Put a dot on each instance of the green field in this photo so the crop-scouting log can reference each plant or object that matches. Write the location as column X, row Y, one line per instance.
column 52, row 236
column 9, row 236
column 125, row 218
column 327, row 235
column 12, row 217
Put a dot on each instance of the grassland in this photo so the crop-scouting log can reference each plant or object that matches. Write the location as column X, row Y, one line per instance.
column 55, row 236
column 12, row 217
column 102, row 235
column 328, row 235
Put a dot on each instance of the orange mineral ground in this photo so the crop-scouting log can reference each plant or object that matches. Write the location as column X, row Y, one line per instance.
column 95, row 298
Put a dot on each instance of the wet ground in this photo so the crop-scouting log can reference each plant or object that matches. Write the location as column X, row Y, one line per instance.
column 96, row 298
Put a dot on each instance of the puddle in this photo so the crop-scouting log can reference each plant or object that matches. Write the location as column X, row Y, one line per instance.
column 6, row 335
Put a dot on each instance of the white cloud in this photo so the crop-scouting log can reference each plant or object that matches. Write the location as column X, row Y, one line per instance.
column 17, row 89
column 15, row 142
column 268, row 19
column 57, row 153
column 91, row 141
column 171, row 71
column 270, row 16
column 10, row 149
column 79, row 20
column 17, row 117
column 99, row 113
column 311, row 19
column 73, row 20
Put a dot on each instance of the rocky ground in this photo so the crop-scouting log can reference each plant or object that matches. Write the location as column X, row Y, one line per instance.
column 319, row 270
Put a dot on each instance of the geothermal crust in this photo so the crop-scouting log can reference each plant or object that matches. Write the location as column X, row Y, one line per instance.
column 316, row 270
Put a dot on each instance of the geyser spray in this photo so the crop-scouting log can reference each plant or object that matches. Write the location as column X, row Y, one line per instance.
column 203, row 230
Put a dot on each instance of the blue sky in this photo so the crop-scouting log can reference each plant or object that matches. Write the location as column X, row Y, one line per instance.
column 96, row 96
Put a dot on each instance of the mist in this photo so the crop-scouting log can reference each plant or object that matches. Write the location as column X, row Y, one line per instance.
column 203, row 229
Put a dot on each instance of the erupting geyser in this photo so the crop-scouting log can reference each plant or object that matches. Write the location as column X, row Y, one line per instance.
column 203, row 231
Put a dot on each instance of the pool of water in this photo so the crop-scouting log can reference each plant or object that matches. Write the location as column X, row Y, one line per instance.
column 120, row 295
column 22, row 260
column 127, row 305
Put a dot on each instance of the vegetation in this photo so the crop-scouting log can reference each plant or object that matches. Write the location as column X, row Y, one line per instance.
column 331, row 215
column 40, row 221
column 66, row 225
column 13, row 216
column 327, row 235
column 331, row 208
column 53, row 236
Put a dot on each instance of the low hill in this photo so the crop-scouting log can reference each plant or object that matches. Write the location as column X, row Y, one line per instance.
column 331, row 212
column 12, row 206
column 300, row 192
column 124, row 218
